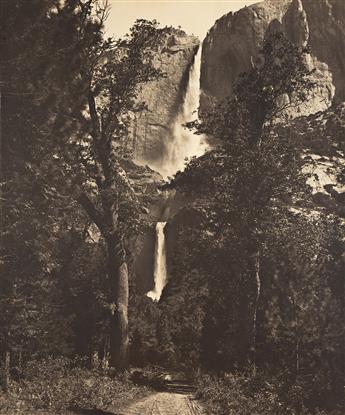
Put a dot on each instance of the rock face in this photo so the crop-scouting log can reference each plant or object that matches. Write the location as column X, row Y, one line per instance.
column 322, row 136
column 326, row 19
column 151, row 126
column 234, row 42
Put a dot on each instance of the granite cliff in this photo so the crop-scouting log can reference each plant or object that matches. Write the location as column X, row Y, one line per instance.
column 162, row 98
column 233, row 45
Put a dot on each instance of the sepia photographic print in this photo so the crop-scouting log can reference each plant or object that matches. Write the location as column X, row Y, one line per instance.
column 172, row 207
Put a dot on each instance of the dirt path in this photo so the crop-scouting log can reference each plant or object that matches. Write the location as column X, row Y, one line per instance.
column 164, row 403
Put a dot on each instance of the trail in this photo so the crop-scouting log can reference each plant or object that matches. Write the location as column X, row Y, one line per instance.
column 164, row 403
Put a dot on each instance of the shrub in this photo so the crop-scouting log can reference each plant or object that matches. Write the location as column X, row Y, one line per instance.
column 238, row 394
column 58, row 384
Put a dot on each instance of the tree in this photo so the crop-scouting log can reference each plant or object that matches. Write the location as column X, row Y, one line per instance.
column 39, row 41
column 255, row 172
column 74, row 93
column 301, row 307
column 91, row 165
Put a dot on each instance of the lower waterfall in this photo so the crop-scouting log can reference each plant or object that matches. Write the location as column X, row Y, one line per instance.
column 160, row 269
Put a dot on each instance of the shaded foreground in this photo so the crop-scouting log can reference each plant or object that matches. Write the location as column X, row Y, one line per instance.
column 63, row 386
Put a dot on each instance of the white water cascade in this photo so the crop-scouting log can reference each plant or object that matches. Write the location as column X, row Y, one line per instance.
column 160, row 269
column 183, row 143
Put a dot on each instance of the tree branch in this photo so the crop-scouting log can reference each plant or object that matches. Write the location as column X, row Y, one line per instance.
column 96, row 128
column 91, row 210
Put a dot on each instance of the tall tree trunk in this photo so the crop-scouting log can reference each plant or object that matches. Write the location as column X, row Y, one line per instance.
column 105, row 353
column 20, row 357
column 6, row 371
column 118, row 276
column 256, row 302
column 297, row 341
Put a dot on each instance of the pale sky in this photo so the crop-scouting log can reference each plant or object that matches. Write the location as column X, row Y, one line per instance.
column 193, row 16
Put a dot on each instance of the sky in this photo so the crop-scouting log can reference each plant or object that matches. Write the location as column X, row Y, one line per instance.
column 194, row 16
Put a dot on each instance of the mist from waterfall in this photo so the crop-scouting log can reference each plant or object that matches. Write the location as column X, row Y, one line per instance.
column 160, row 269
column 183, row 143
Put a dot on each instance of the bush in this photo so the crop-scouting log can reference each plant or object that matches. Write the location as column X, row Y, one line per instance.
column 238, row 394
column 58, row 384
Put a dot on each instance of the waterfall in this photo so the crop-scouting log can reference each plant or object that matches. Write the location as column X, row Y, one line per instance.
column 183, row 143
column 160, row 270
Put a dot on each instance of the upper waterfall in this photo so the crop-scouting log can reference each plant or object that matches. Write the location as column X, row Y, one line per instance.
column 183, row 143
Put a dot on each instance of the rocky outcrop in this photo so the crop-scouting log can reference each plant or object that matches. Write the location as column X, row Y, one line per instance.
column 326, row 20
column 162, row 98
column 233, row 44
column 321, row 136
column 295, row 24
